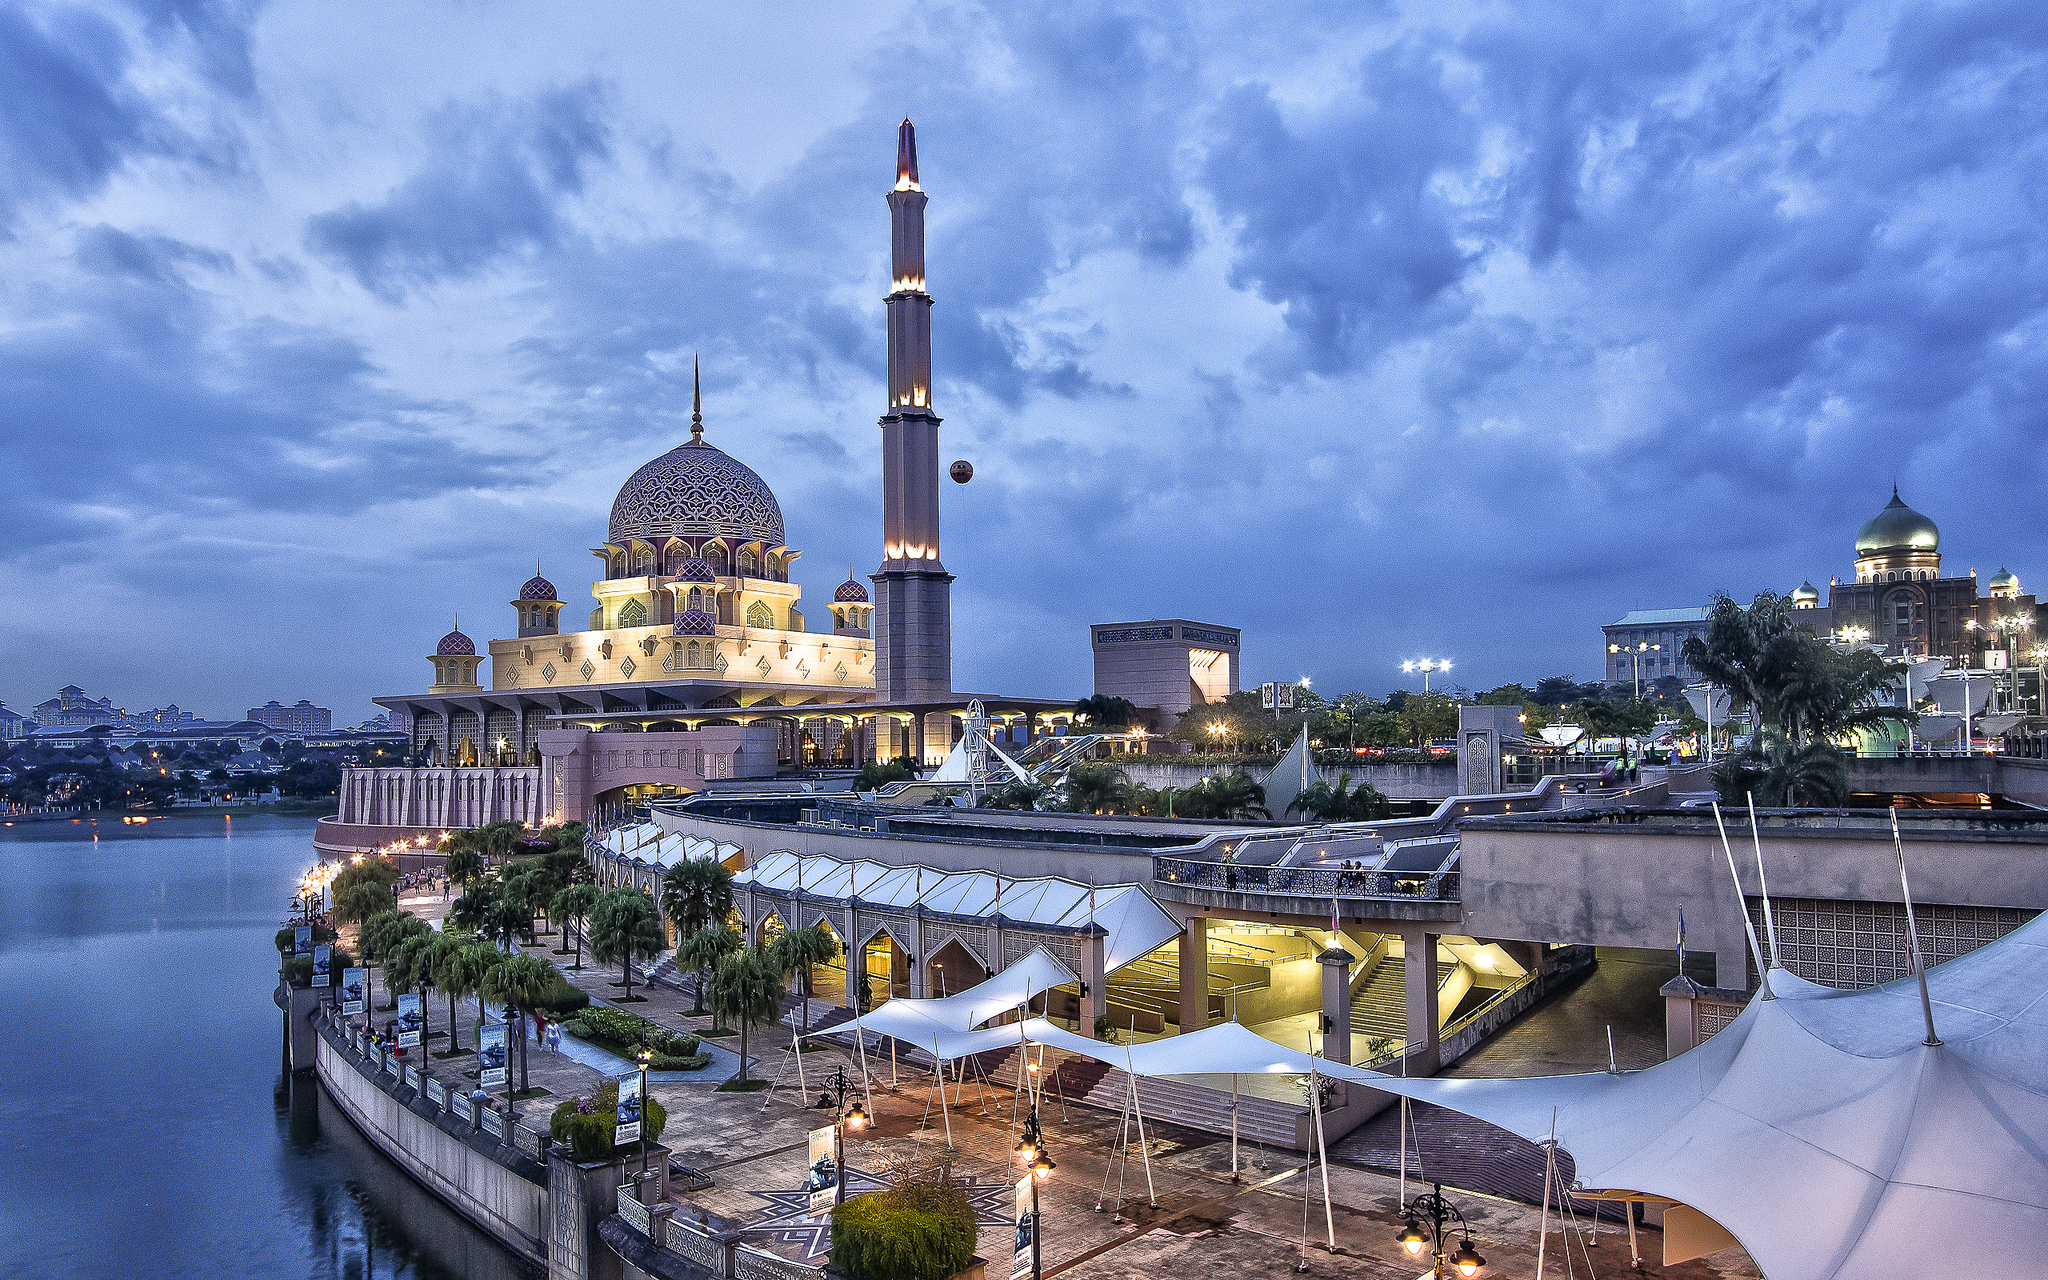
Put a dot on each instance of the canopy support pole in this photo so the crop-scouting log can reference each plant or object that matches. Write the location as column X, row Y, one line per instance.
column 1913, row 931
column 1763, row 971
column 944, row 1114
column 1233, row 1127
column 1138, row 1109
column 1763, row 885
column 1549, row 1180
column 1635, row 1255
column 1322, row 1152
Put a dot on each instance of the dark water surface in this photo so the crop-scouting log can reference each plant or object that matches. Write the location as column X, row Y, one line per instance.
column 150, row 1126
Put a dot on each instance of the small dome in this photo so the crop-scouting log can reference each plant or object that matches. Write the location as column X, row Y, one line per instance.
column 1897, row 528
column 455, row 644
column 2004, row 580
column 538, row 588
column 696, row 622
column 850, row 592
column 695, row 569
column 1806, row 594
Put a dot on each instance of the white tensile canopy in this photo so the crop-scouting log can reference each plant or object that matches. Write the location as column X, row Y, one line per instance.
column 945, row 1027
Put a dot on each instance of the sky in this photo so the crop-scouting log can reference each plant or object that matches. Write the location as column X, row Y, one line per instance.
column 1379, row 330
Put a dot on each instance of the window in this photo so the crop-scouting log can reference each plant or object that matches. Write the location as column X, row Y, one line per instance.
column 760, row 615
column 715, row 557
column 691, row 655
column 632, row 614
column 746, row 562
column 696, row 598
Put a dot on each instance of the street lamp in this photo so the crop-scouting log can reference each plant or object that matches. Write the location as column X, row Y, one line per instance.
column 2039, row 653
column 1425, row 666
column 645, row 1056
column 1636, row 656
column 1427, row 1215
column 1853, row 635
column 843, row 1118
column 1040, row 1162
column 2010, row 626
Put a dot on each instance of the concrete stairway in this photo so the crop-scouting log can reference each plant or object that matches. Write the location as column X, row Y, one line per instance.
column 1097, row 1084
column 1380, row 1007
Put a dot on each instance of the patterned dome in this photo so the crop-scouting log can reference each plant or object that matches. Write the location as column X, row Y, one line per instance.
column 455, row 644
column 696, row 491
column 1897, row 528
column 538, row 588
column 850, row 592
column 696, row 622
column 695, row 569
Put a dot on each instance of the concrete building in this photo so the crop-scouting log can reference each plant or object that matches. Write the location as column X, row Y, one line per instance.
column 1168, row 665
column 301, row 717
column 1663, row 631
column 13, row 724
column 71, row 707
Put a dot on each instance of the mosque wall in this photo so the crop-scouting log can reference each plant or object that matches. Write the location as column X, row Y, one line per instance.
column 654, row 654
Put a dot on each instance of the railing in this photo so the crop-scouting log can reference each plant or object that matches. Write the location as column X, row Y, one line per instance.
column 437, row 1093
column 753, row 1264
column 1305, row 882
column 633, row 1211
column 494, row 1124
column 697, row 1247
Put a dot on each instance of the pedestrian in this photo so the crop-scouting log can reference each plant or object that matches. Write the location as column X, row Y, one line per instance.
column 555, row 1038
column 540, row 1029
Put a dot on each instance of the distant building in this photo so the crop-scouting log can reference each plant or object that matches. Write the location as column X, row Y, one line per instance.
column 72, row 707
column 301, row 717
column 1665, row 631
column 1168, row 665
column 13, row 724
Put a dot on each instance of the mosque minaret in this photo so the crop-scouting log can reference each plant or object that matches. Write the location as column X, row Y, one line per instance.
column 913, row 624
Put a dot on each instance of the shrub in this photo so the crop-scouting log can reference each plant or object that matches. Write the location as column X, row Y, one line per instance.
column 918, row 1231
column 565, row 1000
column 577, row 1027
column 587, row 1124
column 680, row 1062
column 321, row 933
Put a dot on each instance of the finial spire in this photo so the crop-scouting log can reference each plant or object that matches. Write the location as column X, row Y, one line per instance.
column 696, row 401
column 906, row 156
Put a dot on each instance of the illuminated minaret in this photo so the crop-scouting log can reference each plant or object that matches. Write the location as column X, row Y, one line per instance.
column 913, row 624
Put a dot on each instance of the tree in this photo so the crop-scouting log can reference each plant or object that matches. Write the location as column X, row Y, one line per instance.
column 456, row 963
column 696, row 892
column 1017, row 794
column 522, row 982
column 798, row 950
column 464, row 864
column 574, row 904
column 624, row 927
column 1428, row 716
column 410, row 966
column 746, row 991
column 362, row 901
column 1783, row 775
column 474, row 911
column 1101, row 712
column 1341, row 803
column 703, row 950
column 1224, row 795
column 507, row 916
column 1097, row 788
column 876, row 774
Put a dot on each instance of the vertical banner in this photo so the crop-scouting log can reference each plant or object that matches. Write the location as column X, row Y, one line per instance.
column 823, row 1179
column 1027, row 1227
column 490, row 1055
column 351, row 992
column 409, row 1020
column 627, row 1127
column 302, row 940
column 323, row 960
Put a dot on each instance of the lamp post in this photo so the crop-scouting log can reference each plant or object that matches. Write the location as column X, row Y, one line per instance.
column 1425, row 666
column 2039, row 653
column 843, row 1117
column 1636, row 656
column 645, row 1056
column 2010, row 626
column 1040, row 1163
column 1427, row 1215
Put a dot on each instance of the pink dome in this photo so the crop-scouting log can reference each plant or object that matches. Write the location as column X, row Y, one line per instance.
column 455, row 644
column 695, row 622
column 850, row 592
column 538, row 588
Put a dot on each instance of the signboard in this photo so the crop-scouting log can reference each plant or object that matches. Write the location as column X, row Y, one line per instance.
column 409, row 1020
column 323, row 960
column 351, row 992
column 627, row 1127
column 822, row 1178
column 490, row 1055
column 1275, row 696
column 1027, row 1228
column 302, row 940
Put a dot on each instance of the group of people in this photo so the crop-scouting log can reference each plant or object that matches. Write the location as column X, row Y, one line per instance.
column 422, row 882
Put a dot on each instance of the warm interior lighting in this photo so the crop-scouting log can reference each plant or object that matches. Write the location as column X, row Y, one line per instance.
column 907, row 284
column 904, row 182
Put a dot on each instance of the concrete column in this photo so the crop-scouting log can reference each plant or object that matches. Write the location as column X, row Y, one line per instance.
column 899, row 968
column 1096, row 1002
column 1419, row 969
column 1194, row 975
column 856, row 961
column 1337, row 962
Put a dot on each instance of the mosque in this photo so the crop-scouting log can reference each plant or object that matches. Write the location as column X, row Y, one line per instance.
column 698, row 639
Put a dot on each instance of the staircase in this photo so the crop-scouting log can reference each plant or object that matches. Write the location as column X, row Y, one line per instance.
column 1380, row 1007
column 1100, row 1085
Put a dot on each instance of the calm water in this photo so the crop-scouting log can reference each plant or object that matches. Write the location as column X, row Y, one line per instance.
column 150, row 1126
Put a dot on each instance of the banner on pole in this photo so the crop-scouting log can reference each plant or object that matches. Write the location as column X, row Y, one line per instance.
column 323, row 959
column 1027, row 1227
column 627, row 1127
column 490, row 1055
column 409, row 1020
column 1276, row 696
column 351, row 992
column 823, row 1179
column 302, row 940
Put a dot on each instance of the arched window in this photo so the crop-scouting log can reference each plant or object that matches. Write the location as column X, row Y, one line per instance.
column 760, row 615
column 551, row 615
column 691, row 655
column 696, row 597
column 632, row 614
column 746, row 562
column 715, row 557
column 643, row 561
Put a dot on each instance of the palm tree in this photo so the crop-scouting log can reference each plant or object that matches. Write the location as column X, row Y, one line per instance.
column 797, row 950
column 574, row 904
column 473, row 910
column 746, row 991
column 522, row 982
column 443, row 957
column 507, row 916
column 411, row 966
column 1102, row 711
column 1225, row 795
column 695, row 893
column 624, row 927
column 460, row 974
column 1026, row 796
column 464, row 864
column 361, row 901
column 1340, row 804
column 1097, row 788
column 703, row 950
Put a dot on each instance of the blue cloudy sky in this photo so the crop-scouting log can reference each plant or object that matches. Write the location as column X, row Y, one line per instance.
column 1377, row 329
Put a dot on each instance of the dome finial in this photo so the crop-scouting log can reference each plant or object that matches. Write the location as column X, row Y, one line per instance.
column 696, row 402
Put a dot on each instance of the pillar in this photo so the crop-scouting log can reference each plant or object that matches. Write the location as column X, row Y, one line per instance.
column 1336, row 962
column 899, row 966
column 856, row 961
column 1096, row 1003
column 1194, row 974
column 1419, row 972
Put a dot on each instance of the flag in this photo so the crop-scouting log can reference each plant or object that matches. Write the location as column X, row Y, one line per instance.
column 1681, row 941
column 1333, row 922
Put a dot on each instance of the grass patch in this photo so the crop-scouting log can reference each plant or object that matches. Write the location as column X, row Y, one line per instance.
column 715, row 1032
column 535, row 1092
column 743, row 1086
column 456, row 1053
column 630, row 1000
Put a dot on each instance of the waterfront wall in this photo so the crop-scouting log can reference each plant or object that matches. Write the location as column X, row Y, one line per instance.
column 501, row 1188
column 1394, row 781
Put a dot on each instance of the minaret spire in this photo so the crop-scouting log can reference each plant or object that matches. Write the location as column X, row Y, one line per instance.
column 906, row 156
column 696, row 401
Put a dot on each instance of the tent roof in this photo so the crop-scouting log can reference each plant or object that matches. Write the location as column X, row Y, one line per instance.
column 945, row 1027
column 650, row 846
column 1135, row 924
